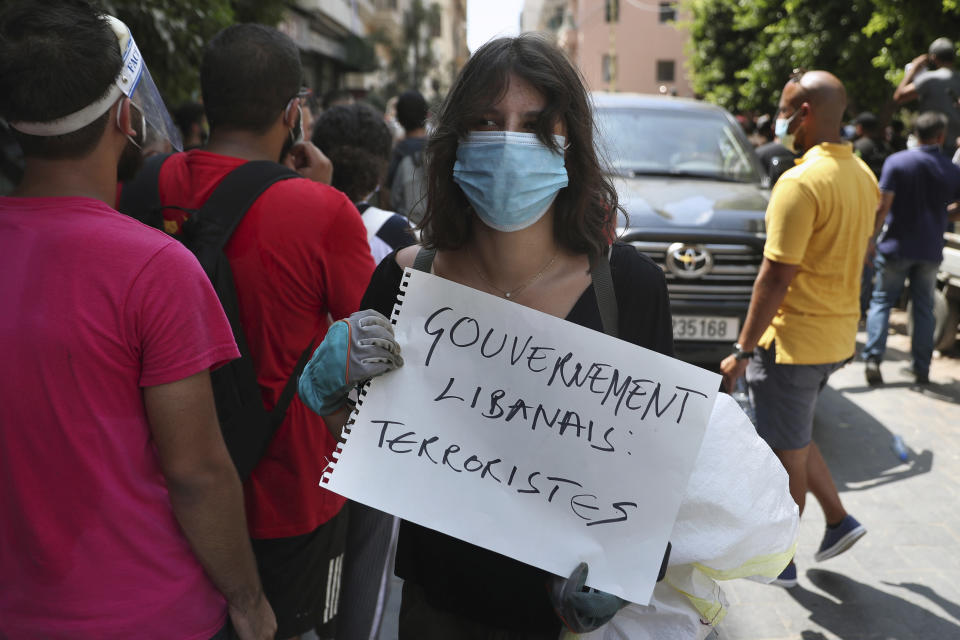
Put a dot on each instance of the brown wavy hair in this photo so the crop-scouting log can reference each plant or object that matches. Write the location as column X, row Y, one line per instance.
column 585, row 210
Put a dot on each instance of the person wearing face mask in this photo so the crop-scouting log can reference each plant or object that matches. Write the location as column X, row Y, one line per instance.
column 298, row 256
column 802, row 322
column 774, row 157
column 518, row 207
column 121, row 514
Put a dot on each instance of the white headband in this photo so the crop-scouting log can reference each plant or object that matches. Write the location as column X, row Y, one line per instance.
column 125, row 84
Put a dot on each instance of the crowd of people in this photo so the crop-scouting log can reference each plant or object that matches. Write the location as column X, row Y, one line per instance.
column 826, row 200
column 924, row 168
column 174, row 394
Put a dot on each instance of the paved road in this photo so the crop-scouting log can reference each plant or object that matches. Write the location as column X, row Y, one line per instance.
column 902, row 580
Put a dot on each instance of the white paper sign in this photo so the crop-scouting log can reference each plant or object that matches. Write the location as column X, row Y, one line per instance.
column 527, row 435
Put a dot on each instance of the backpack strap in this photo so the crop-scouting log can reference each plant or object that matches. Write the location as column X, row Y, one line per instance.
column 229, row 202
column 599, row 273
column 605, row 292
column 218, row 218
column 279, row 411
column 140, row 197
column 424, row 259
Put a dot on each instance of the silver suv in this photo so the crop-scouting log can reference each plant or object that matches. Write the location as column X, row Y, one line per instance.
column 695, row 198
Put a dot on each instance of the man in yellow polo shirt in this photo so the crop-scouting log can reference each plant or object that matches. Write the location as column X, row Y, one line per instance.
column 802, row 322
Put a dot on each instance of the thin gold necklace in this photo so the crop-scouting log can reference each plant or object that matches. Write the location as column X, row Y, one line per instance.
column 510, row 294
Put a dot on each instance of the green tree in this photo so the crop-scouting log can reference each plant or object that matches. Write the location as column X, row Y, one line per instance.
column 743, row 52
column 172, row 34
column 718, row 51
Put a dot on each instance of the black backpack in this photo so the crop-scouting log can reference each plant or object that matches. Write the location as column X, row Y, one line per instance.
column 247, row 426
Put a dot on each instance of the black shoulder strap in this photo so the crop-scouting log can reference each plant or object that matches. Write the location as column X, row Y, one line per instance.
column 220, row 215
column 424, row 259
column 599, row 273
column 229, row 202
column 279, row 411
column 606, row 295
column 140, row 197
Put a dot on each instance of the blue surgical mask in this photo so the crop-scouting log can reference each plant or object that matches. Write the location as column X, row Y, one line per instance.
column 780, row 129
column 509, row 178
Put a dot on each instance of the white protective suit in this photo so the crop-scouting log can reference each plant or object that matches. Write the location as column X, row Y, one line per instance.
column 737, row 520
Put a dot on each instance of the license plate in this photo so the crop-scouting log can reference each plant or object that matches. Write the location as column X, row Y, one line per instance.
column 706, row 328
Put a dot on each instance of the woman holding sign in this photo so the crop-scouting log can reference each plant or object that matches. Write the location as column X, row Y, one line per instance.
column 518, row 207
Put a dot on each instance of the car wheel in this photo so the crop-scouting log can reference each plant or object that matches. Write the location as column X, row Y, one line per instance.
column 946, row 317
column 947, row 338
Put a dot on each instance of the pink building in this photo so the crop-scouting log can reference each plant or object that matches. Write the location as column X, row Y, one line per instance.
column 619, row 45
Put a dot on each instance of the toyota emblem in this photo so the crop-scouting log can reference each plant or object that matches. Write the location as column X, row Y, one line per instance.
column 688, row 260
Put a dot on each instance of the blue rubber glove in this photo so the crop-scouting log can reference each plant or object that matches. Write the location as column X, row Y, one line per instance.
column 354, row 350
column 582, row 610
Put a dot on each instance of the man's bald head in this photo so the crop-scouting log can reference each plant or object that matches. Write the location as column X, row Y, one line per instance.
column 825, row 94
column 822, row 100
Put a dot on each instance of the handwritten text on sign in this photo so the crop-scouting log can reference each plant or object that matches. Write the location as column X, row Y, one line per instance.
column 528, row 435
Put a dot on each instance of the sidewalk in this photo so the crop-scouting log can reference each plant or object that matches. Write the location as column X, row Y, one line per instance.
column 902, row 580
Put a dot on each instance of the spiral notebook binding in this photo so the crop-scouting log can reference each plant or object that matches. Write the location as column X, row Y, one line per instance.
column 362, row 392
column 344, row 435
column 404, row 283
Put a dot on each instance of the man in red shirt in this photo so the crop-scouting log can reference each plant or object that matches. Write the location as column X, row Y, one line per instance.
column 299, row 257
column 121, row 515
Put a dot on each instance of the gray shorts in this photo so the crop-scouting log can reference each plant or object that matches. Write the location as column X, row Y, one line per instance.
column 785, row 397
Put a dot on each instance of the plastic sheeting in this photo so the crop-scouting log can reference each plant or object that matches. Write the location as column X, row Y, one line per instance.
column 737, row 520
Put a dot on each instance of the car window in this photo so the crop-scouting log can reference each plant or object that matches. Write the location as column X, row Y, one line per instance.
column 641, row 141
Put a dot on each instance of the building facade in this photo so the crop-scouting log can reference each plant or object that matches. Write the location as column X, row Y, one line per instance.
column 619, row 45
column 330, row 35
column 450, row 43
column 349, row 44
column 431, row 36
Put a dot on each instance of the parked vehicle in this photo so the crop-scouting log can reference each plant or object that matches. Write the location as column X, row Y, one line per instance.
column 946, row 301
column 695, row 198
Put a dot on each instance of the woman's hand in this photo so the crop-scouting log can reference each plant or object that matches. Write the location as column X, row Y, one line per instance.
column 582, row 610
column 354, row 350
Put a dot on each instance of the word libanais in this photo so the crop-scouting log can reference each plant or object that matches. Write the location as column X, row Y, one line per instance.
column 495, row 405
column 554, row 488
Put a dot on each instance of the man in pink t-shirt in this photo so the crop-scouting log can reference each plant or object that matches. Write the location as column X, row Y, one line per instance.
column 121, row 514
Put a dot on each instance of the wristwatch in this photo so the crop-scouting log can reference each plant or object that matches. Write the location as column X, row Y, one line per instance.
column 740, row 354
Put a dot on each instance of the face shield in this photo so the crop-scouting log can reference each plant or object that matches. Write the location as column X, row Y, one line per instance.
column 134, row 82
